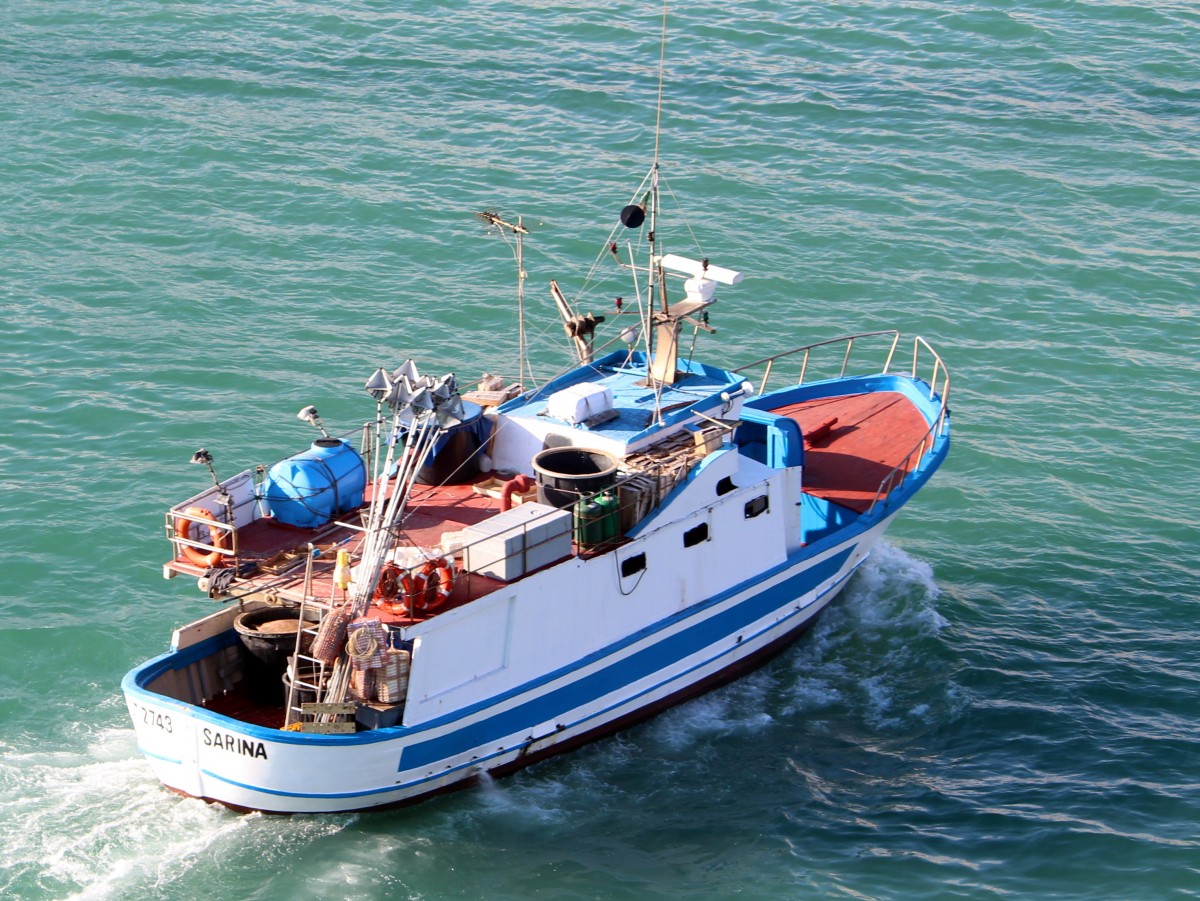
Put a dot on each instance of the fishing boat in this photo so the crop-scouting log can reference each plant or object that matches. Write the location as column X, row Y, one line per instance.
column 493, row 571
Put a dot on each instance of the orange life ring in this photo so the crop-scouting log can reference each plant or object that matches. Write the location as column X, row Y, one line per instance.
column 408, row 585
column 413, row 584
column 183, row 529
column 437, row 572
column 445, row 579
column 427, row 588
column 430, row 595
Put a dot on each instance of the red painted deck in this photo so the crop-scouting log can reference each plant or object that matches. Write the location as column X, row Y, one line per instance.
column 238, row 705
column 873, row 434
column 432, row 512
column 845, row 463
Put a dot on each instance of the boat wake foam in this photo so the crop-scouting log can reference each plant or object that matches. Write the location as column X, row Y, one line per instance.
column 94, row 823
column 741, row 708
column 875, row 653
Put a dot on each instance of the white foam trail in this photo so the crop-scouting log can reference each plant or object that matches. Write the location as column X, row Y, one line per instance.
column 96, row 824
column 522, row 802
column 872, row 648
column 738, row 708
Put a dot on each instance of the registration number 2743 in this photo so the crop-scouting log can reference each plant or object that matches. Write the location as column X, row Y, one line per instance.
column 148, row 717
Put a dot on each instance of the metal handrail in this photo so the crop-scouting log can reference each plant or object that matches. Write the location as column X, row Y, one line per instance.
column 938, row 380
column 807, row 350
column 173, row 516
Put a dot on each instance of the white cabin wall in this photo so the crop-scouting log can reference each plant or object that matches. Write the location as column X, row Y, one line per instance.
column 515, row 442
column 550, row 620
column 791, row 487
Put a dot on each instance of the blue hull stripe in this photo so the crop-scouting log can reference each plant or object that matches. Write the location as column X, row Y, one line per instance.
column 541, row 709
column 499, row 752
column 631, row 669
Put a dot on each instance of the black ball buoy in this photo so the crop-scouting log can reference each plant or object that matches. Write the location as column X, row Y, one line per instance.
column 633, row 216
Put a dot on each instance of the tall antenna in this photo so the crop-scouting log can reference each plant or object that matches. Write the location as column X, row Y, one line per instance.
column 662, row 64
column 494, row 220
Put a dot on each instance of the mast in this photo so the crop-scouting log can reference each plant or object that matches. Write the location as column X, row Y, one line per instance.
column 664, row 336
column 661, row 319
column 700, row 278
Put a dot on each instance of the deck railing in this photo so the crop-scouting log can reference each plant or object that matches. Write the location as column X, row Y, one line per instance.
column 924, row 366
column 230, row 505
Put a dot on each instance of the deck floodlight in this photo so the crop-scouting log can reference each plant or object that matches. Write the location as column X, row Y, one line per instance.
column 204, row 458
column 451, row 412
column 422, row 399
column 407, row 368
column 399, row 393
column 309, row 415
column 445, row 387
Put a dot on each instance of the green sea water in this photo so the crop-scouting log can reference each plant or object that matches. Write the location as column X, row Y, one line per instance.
column 212, row 214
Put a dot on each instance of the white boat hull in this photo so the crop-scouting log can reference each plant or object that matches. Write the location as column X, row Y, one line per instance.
column 202, row 754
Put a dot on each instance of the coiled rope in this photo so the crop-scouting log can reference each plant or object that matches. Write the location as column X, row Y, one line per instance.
column 361, row 645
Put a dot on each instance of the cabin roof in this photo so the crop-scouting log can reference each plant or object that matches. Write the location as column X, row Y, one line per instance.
column 633, row 418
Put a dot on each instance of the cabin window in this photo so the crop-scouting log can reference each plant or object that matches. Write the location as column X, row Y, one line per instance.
column 757, row 506
column 725, row 486
column 695, row 535
column 633, row 565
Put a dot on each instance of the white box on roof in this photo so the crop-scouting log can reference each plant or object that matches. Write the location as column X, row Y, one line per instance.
column 576, row 403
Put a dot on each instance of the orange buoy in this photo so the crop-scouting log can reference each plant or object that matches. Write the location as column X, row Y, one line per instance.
column 183, row 529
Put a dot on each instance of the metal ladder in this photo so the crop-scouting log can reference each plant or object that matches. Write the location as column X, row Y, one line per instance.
column 308, row 674
column 305, row 673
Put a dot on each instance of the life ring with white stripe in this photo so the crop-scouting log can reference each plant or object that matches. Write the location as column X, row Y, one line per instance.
column 429, row 588
column 445, row 575
column 218, row 537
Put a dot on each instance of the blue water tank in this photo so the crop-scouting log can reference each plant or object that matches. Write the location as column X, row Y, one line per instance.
column 310, row 489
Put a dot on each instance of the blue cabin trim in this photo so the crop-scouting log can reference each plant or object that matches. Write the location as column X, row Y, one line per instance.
column 771, row 439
